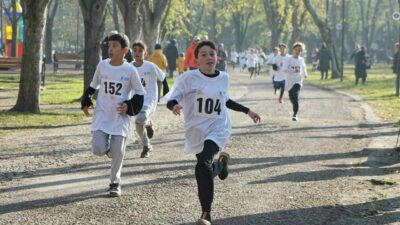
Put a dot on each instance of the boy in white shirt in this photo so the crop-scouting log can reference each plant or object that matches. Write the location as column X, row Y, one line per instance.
column 202, row 95
column 117, row 81
column 280, row 74
column 149, row 74
column 296, row 70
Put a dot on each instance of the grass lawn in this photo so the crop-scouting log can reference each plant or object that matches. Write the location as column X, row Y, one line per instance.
column 379, row 90
column 59, row 102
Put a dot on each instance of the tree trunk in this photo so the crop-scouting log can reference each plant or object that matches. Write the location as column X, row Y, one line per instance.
column 114, row 15
column 14, row 25
column 276, row 19
column 326, row 35
column 152, row 12
column 94, row 15
column 34, row 12
column 132, row 18
column 51, row 12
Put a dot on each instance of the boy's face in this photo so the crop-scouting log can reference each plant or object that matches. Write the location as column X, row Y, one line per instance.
column 282, row 49
column 207, row 58
column 138, row 53
column 115, row 50
column 297, row 51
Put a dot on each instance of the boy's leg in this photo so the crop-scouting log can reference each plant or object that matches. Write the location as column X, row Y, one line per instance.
column 282, row 90
column 100, row 143
column 117, row 147
column 205, row 172
column 159, row 85
column 294, row 98
column 140, row 122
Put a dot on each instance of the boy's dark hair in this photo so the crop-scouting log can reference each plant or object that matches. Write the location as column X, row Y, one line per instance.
column 202, row 44
column 181, row 54
column 158, row 46
column 121, row 38
column 282, row 45
column 298, row 44
column 139, row 44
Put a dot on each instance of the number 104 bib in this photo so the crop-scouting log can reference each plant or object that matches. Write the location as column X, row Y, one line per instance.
column 208, row 105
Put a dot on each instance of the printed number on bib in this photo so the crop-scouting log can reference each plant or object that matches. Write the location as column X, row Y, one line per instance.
column 208, row 107
column 113, row 88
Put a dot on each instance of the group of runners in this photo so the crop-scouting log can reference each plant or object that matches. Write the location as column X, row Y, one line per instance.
column 201, row 95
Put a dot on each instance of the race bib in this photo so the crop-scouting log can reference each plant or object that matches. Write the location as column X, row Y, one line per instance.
column 112, row 87
column 209, row 106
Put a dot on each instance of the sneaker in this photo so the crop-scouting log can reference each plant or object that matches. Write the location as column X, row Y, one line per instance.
column 205, row 219
column 114, row 190
column 295, row 118
column 146, row 152
column 108, row 153
column 149, row 130
column 224, row 159
column 280, row 100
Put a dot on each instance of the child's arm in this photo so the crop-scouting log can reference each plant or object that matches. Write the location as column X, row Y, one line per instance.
column 86, row 101
column 230, row 104
column 132, row 106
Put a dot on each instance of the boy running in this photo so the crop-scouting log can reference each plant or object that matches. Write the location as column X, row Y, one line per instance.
column 149, row 74
column 202, row 95
column 296, row 70
column 117, row 81
column 279, row 72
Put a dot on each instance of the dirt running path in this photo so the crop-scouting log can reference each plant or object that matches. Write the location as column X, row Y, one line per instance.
column 314, row 171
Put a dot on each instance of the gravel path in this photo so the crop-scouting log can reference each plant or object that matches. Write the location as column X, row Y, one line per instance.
column 314, row 171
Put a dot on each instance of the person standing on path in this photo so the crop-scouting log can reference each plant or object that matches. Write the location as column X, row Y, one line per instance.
column 160, row 60
column 396, row 63
column 324, row 61
column 296, row 70
column 172, row 54
column 202, row 95
column 222, row 57
column 361, row 66
column 116, row 81
column 190, row 62
column 151, row 76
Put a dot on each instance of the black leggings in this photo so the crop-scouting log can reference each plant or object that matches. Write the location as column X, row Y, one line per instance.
column 205, row 172
column 294, row 98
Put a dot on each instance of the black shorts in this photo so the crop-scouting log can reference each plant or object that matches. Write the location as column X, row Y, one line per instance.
column 279, row 84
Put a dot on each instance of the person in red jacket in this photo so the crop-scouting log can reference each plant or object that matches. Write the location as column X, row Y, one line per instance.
column 190, row 62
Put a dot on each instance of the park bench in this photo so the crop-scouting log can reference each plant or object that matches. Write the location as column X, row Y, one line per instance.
column 67, row 59
column 7, row 63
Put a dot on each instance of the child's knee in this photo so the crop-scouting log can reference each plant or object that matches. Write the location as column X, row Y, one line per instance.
column 141, row 119
column 99, row 149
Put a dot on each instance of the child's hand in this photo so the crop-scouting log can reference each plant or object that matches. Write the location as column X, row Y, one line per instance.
column 305, row 77
column 86, row 111
column 122, row 108
column 176, row 110
column 254, row 116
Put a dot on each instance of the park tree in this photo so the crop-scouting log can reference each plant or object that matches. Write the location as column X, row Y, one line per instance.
column 153, row 13
column 175, row 22
column 94, row 15
column 278, row 12
column 112, row 10
column 298, row 19
column 132, row 18
column 241, row 13
column 326, row 35
column 34, row 12
column 48, row 43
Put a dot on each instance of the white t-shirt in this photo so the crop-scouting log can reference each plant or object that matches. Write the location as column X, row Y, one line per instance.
column 116, row 84
column 234, row 56
column 149, row 73
column 280, row 74
column 206, row 116
column 251, row 60
column 293, row 77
